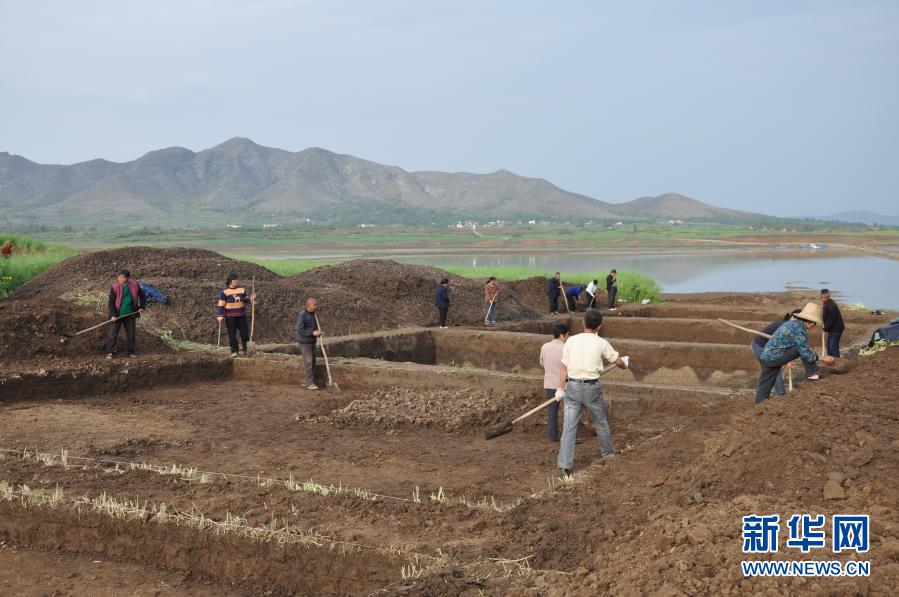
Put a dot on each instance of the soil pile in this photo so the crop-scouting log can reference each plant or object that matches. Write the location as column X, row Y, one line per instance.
column 35, row 329
column 399, row 408
column 828, row 449
column 354, row 297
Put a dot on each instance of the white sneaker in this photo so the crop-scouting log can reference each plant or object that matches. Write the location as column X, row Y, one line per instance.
column 312, row 386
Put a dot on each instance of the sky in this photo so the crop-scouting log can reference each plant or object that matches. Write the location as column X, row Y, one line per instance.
column 786, row 108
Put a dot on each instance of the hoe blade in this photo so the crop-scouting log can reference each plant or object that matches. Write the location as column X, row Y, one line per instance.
column 499, row 430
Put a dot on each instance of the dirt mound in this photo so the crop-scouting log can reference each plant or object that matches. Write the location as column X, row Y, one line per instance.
column 827, row 449
column 354, row 297
column 398, row 407
column 36, row 328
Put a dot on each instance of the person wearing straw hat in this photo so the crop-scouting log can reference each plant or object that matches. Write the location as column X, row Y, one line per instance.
column 788, row 343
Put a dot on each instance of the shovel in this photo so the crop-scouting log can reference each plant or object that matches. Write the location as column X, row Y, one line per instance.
column 251, row 346
column 564, row 296
column 506, row 427
column 486, row 317
column 218, row 342
column 332, row 387
column 66, row 337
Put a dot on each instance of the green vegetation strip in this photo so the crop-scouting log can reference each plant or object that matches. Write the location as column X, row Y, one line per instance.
column 30, row 257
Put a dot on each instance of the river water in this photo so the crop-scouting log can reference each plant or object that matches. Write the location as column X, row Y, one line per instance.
column 873, row 281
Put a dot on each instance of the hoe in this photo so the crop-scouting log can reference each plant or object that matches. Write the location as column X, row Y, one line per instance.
column 504, row 428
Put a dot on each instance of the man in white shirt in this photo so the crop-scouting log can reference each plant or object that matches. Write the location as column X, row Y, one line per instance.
column 579, row 387
column 551, row 361
column 592, row 288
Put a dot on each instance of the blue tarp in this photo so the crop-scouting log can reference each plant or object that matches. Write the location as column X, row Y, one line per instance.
column 890, row 333
column 153, row 294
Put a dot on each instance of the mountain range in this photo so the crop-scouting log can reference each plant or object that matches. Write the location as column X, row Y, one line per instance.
column 240, row 181
column 864, row 217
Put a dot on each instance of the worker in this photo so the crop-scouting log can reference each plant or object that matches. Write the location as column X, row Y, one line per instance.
column 592, row 290
column 758, row 345
column 551, row 361
column 833, row 323
column 307, row 335
column 491, row 292
column 573, row 295
column 232, row 308
column 126, row 302
column 554, row 289
column 7, row 248
column 442, row 302
column 788, row 343
column 579, row 387
column 612, row 288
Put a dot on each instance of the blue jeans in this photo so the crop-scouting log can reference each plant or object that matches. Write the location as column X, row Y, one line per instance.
column 491, row 311
column 589, row 396
column 779, row 388
column 552, row 415
column 833, row 344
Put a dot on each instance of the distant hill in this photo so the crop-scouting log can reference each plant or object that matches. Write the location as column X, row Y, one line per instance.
column 240, row 181
column 863, row 217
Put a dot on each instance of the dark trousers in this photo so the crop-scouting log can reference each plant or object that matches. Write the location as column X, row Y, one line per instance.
column 572, row 303
column 591, row 300
column 308, row 352
column 552, row 415
column 113, row 336
column 234, row 325
column 833, row 344
column 613, row 292
column 441, row 315
column 554, row 303
column 771, row 369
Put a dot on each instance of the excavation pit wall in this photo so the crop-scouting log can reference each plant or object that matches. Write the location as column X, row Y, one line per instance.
column 674, row 363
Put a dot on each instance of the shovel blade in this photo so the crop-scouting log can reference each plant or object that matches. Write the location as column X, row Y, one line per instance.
column 499, row 430
column 334, row 388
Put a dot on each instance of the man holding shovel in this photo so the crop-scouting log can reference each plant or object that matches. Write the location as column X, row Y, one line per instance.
column 491, row 292
column 579, row 387
column 126, row 301
column 554, row 290
column 551, row 361
column 307, row 334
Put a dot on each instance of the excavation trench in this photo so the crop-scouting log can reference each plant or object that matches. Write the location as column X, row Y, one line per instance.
column 681, row 363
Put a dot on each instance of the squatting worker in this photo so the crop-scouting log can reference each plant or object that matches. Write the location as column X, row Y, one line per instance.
column 592, row 289
column 579, row 387
column 491, row 292
column 758, row 345
column 833, row 323
column 788, row 343
column 232, row 308
column 441, row 301
column 573, row 295
column 554, row 289
column 307, row 334
column 551, row 361
column 126, row 302
column 612, row 287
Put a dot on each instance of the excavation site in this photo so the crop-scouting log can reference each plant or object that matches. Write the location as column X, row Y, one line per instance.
column 185, row 471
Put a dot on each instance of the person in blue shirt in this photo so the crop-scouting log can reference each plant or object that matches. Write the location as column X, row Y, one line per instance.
column 788, row 343
column 572, row 295
column 441, row 301
column 758, row 345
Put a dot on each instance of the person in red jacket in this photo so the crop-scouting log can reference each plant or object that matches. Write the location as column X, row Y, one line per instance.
column 126, row 301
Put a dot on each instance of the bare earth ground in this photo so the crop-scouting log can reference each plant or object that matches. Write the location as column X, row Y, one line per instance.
column 443, row 511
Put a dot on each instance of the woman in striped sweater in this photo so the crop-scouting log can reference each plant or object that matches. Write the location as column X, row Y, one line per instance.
column 232, row 307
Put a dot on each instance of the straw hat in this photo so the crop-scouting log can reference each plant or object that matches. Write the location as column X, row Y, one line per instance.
column 811, row 312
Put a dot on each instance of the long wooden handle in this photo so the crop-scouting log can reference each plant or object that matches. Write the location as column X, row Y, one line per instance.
column 740, row 327
column 550, row 401
column 107, row 322
column 253, row 311
column 823, row 343
column 564, row 296
column 321, row 343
